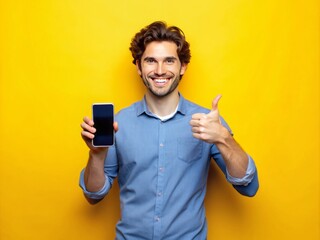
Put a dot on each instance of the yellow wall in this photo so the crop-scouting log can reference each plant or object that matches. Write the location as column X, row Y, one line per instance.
column 57, row 57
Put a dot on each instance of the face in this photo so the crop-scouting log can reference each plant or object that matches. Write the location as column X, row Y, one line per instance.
column 160, row 68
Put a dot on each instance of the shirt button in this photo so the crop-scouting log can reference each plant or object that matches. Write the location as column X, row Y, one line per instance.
column 161, row 169
column 159, row 194
column 157, row 219
column 161, row 144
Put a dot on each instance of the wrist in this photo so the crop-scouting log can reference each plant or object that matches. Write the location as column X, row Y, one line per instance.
column 224, row 136
column 98, row 154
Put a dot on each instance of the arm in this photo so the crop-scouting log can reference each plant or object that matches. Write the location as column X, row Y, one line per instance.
column 235, row 158
column 249, row 184
column 93, row 178
column 208, row 127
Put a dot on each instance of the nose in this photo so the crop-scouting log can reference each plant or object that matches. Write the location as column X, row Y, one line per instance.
column 160, row 70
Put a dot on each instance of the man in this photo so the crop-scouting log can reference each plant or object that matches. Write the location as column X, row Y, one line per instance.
column 163, row 148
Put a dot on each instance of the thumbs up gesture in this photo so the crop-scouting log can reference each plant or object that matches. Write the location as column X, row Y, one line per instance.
column 208, row 127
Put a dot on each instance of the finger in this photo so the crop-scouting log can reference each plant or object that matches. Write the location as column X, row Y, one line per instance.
column 194, row 123
column 87, row 135
column 197, row 135
column 115, row 126
column 87, row 127
column 195, row 129
column 215, row 102
column 197, row 122
column 88, row 121
column 198, row 116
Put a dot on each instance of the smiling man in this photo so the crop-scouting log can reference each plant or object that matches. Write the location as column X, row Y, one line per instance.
column 160, row 68
column 163, row 148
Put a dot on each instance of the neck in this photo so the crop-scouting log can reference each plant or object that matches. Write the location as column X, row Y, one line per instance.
column 162, row 106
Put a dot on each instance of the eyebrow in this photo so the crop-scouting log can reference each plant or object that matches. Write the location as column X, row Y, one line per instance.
column 154, row 59
column 170, row 58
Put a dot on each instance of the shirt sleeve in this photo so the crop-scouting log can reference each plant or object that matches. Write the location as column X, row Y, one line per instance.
column 244, row 181
column 94, row 195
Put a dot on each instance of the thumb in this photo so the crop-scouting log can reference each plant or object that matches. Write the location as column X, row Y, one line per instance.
column 215, row 102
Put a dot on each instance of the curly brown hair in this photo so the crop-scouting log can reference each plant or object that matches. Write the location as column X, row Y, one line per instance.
column 159, row 31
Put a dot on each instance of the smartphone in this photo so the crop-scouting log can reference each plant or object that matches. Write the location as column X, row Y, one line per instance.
column 103, row 118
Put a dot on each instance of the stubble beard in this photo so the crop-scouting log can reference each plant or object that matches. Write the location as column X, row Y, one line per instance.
column 160, row 93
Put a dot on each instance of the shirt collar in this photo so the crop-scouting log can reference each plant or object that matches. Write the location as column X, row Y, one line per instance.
column 142, row 107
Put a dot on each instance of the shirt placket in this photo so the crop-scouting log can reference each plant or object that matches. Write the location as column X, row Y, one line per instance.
column 160, row 182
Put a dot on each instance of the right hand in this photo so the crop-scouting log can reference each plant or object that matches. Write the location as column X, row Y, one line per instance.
column 88, row 131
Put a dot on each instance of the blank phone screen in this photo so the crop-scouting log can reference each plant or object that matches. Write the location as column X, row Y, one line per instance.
column 103, row 123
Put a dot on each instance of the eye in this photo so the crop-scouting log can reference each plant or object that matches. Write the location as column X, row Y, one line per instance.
column 149, row 60
column 170, row 60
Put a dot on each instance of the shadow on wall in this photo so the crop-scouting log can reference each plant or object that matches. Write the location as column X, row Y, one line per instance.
column 104, row 215
column 221, row 197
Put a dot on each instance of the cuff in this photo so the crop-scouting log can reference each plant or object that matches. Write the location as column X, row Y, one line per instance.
column 94, row 195
column 251, row 170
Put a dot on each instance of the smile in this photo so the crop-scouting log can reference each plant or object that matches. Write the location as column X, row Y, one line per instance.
column 161, row 80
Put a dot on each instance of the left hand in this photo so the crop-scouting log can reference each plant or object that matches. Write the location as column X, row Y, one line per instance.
column 208, row 127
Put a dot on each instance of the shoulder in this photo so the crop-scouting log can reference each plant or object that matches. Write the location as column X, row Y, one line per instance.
column 129, row 111
column 126, row 111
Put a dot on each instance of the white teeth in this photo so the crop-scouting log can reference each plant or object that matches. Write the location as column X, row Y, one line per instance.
column 161, row 80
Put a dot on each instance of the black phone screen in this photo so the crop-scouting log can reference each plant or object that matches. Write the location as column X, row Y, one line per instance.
column 103, row 117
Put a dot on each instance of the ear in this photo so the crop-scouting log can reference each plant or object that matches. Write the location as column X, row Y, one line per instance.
column 138, row 67
column 183, row 68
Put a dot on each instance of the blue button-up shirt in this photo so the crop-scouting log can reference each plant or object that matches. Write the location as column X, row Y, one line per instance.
column 162, row 174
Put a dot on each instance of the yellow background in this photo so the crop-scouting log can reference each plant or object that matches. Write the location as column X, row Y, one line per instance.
column 57, row 57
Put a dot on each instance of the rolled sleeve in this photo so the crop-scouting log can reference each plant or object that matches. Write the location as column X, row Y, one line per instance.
column 244, row 181
column 94, row 195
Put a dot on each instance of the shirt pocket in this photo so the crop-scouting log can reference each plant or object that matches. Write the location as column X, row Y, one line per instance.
column 189, row 150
